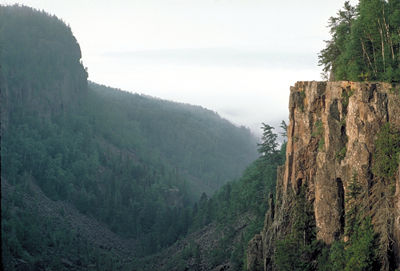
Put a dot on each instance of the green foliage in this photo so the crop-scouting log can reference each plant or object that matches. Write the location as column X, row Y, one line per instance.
column 337, row 256
column 217, row 255
column 355, row 212
column 134, row 163
column 321, row 144
column 269, row 144
column 387, row 152
column 238, row 254
column 284, row 128
column 237, row 210
column 340, row 155
column 30, row 241
column 364, row 43
column 358, row 254
column 395, row 89
column 192, row 250
column 241, row 200
column 346, row 97
column 288, row 255
column 300, row 249
column 189, row 138
column 361, row 251
column 318, row 129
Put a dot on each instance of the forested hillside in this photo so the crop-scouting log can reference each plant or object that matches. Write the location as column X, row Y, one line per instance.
column 133, row 164
column 206, row 149
column 222, row 225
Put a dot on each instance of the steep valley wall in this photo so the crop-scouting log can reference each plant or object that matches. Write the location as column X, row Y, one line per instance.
column 331, row 142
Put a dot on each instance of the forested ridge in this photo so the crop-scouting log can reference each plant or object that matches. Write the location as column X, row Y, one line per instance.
column 191, row 138
column 97, row 178
column 135, row 164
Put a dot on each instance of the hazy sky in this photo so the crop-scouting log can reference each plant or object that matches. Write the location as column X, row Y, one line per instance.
column 236, row 57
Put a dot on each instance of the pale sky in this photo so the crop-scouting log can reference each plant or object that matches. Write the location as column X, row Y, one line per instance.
column 235, row 57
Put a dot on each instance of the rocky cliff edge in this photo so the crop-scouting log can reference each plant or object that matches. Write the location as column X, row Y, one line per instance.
column 332, row 137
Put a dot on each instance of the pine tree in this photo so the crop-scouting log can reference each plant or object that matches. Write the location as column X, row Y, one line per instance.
column 365, row 42
column 268, row 145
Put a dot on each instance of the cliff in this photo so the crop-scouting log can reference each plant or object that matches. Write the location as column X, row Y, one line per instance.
column 41, row 72
column 332, row 135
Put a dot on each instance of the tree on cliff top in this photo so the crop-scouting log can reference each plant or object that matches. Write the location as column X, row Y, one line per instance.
column 365, row 43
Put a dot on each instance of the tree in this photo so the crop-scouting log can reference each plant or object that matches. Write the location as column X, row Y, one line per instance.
column 284, row 128
column 340, row 29
column 299, row 250
column 361, row 251
column 386, row 156
column 268, row 145
column 385, row 165
column 365, row 42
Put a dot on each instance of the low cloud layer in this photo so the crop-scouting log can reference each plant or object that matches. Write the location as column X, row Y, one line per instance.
column 236, row 57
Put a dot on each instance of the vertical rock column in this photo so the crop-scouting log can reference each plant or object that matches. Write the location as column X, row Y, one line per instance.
column 333, row 127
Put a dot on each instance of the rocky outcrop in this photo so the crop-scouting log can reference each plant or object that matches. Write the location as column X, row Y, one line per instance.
column 331, row 141
column 255, row 253
column 41, row 72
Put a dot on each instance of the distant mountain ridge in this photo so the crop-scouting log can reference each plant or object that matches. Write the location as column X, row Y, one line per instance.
column 133, row 163
column 197, row 129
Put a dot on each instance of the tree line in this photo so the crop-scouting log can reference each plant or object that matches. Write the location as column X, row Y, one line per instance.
column 365, row 42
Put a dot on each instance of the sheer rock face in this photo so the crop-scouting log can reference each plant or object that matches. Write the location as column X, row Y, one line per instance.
column 331, row 140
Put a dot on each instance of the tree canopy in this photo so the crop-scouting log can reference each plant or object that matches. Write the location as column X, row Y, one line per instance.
column 134, row 163
column 365, row 43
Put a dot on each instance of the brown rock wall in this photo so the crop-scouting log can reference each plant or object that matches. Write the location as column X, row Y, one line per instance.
column 331, row 140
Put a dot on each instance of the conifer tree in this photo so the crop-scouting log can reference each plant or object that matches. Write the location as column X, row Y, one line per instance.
column 365, row 42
